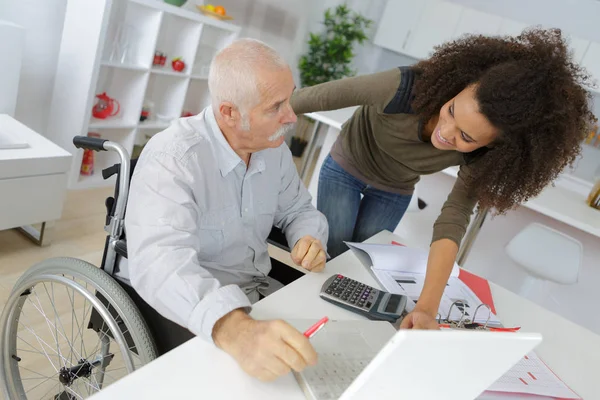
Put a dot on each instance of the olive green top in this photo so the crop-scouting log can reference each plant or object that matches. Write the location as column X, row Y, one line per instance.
column 382, row 145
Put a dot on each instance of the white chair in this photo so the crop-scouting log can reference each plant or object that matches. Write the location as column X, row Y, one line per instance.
column 546, row 255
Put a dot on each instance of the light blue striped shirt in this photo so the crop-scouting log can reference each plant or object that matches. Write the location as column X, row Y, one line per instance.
column 198, row 219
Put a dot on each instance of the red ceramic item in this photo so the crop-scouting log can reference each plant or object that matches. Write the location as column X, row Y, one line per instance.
column 105, row 107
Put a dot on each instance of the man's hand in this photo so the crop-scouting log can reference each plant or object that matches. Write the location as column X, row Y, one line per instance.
column 419, row 320
column 308, row 252
column 264, row 349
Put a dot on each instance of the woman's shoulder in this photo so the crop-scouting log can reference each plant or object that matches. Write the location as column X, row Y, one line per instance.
column 400, row 101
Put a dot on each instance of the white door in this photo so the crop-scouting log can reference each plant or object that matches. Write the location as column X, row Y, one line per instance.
column 437, row 24
column 477, row 22
column 399, row 19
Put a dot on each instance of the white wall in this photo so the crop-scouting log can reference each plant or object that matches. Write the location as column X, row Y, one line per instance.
column 43, row 22
column 578, row 17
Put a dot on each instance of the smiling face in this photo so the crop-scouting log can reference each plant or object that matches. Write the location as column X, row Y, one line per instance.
column 461, row 127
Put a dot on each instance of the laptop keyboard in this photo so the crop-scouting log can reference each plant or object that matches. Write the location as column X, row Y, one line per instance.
column 334, row 373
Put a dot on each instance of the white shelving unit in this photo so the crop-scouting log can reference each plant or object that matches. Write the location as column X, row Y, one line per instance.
column 109, row 46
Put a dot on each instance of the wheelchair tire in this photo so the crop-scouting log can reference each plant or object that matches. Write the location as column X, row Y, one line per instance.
column 56, row 271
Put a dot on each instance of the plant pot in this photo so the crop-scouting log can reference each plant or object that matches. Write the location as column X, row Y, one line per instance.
column 177, row 3
column 297, row 147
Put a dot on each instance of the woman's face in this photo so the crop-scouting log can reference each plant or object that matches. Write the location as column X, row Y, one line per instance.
column 461, row 127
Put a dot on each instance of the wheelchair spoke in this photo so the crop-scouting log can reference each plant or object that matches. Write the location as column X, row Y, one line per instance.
column 57, row 342
column 37, row 373
column 53, row 302
column 48, row 323
column 74, row 314
column 57, row 386
column 39, row 384
column 68, row 389
column 40, row 341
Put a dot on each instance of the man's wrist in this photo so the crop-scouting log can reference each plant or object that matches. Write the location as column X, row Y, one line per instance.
column 224, row 329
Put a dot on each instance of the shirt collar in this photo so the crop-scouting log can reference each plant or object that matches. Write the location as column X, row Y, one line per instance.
column 227, row 158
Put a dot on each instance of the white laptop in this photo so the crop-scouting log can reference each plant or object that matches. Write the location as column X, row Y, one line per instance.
column 371, row 360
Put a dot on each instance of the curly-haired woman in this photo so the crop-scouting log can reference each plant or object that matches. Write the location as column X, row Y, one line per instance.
column 510, row 111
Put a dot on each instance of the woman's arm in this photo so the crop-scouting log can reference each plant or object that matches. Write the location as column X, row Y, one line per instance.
column 449, row 229
column 372, row 89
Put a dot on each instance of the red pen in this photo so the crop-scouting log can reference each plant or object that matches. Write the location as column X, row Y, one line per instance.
column 310, row 332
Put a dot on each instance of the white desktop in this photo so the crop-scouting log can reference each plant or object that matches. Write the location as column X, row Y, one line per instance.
column 198, row 369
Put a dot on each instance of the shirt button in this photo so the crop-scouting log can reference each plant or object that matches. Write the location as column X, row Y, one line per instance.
column 245, row 210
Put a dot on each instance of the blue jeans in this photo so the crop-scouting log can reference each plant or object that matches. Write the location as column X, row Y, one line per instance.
column 349, row 217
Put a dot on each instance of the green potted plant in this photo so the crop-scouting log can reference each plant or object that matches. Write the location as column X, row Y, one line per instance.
column 329, row 57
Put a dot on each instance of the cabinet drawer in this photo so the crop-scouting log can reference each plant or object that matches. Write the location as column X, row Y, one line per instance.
column 31, row 200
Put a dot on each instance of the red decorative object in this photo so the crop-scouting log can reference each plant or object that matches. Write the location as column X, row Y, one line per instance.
column 87, row 162
column 105, row 107
column 160, row 58
column 178, row 64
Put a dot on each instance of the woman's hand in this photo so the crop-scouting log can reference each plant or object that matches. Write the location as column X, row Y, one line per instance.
column 419, row 320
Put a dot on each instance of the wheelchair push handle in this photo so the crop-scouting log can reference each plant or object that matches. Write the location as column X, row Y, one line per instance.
column 89, row 143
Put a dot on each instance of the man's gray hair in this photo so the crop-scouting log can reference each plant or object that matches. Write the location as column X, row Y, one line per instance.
column 232, row 76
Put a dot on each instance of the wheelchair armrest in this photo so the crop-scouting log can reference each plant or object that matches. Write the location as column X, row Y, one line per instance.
column 277, row 238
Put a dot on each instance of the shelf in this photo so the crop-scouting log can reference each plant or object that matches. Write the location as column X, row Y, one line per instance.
column 132, row 34
column 178, row 37
column 127, row 88
column 169, row 72
column 111, row 123
column 191, row 15
column 149, row 124
column 167, row 93
column 131, row 67
column 200, row 77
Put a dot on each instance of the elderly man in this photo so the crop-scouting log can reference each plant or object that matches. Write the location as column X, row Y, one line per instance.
column 204, row 197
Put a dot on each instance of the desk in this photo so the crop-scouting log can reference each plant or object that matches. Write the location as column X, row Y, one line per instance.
column 33, row 181
column 199, row 370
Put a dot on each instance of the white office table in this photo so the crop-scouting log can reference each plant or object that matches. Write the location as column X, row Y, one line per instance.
column 198, row 370
column 33, row 181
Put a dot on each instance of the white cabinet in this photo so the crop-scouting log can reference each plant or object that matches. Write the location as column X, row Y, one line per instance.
column 399, row 20
column 436, row 25
column 476, row 22
column 109, row 46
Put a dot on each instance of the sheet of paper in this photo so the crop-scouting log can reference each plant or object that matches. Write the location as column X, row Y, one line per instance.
column 391, row 257
column 532, row 376
column 411, row 285
column 8, row 141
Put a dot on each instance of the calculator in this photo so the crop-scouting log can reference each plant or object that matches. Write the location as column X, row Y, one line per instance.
column 363, row 299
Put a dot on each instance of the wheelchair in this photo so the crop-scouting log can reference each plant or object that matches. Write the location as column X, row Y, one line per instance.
column 69, row 328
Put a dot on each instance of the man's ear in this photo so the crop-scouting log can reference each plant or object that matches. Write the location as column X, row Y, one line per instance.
column 229, row 113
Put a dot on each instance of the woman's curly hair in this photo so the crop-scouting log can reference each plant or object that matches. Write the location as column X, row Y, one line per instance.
column 531, row 90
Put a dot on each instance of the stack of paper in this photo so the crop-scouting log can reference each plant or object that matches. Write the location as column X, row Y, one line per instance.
column 9, row 141
column 401, row 270
column 531, row 376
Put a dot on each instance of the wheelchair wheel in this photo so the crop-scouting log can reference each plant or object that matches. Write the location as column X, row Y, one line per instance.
column 49, row 347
